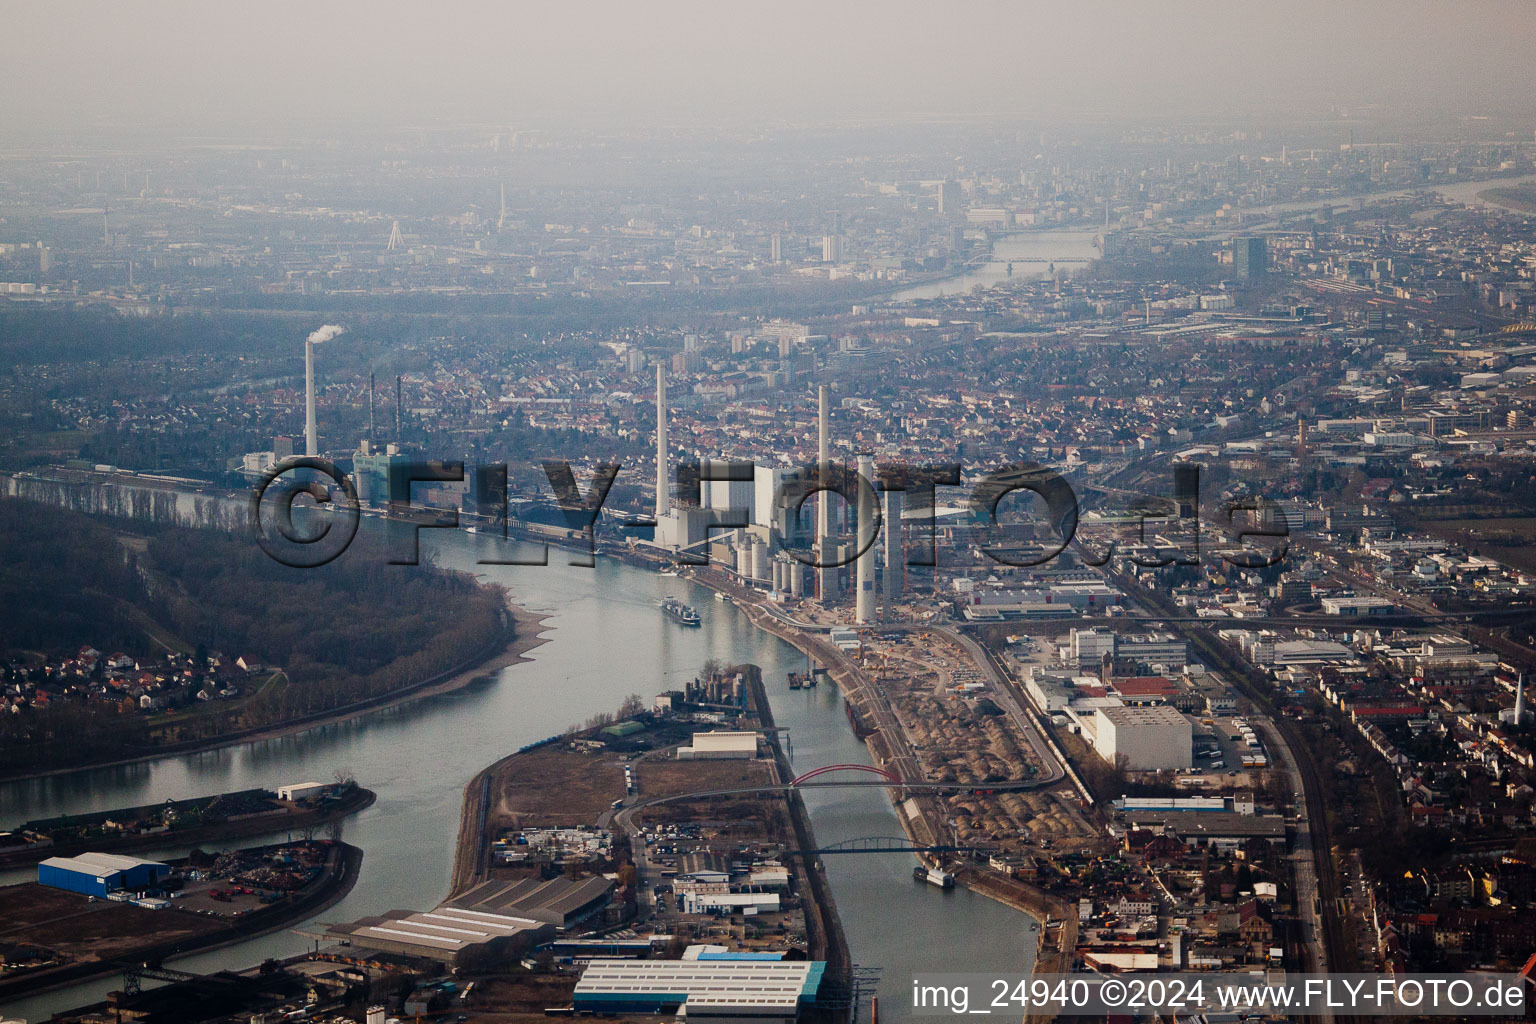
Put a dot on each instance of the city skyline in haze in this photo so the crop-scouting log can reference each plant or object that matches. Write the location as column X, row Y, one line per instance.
column 80, row 67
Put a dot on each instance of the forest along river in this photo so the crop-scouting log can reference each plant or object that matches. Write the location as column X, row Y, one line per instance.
column 606, row 639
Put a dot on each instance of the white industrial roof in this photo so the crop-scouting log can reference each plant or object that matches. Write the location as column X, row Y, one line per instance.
column 98, row 864
column 1152, row 714
column 448, row 927
column 777, row 983
column 725, row 741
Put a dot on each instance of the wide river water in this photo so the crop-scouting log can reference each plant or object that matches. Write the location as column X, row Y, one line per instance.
column 606, row 639
column 1076, row 244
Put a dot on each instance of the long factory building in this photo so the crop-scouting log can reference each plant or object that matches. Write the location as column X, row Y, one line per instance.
column 514, row 914
column 737, row 990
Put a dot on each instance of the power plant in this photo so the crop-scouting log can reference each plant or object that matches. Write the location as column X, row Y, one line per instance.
column 744, row 525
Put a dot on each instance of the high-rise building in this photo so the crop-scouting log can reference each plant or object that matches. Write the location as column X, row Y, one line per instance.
column 776, row 248
column 831, row 248
column 949, row 199
column 1250, row 257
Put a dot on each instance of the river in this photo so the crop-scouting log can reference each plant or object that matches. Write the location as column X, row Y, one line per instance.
column 606, row 639
column 1077, row 244
column 1027, row 247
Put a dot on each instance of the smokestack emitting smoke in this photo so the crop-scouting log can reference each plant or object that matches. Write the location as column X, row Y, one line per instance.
column 312, row 435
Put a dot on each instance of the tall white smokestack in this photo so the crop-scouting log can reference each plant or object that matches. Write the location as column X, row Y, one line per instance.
column 311, row 444
column 311, row 434
column 1520, row 700
column 864, row 596
column 825, row 575
column 662, row 502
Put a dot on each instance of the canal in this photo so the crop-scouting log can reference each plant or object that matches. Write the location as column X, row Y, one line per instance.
column 606, row 639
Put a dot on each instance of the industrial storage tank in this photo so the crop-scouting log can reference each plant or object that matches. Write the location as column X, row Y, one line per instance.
column 796, row 578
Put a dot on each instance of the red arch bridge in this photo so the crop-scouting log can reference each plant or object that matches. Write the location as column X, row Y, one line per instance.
column 886, row 844
column 824, row 769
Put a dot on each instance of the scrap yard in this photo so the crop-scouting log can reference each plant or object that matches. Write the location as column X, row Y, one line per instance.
column 86, row 916
column 212, row 819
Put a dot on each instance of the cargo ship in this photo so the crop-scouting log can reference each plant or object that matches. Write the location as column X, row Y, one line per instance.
column 680, row 613
column 933, row 876
column 862, row 729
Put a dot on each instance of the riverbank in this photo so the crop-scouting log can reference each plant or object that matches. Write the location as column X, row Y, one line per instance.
column 925, row 827
column 575, row 782
column 1520, row 200
column 521, row 632
column 827, row 939
column 336, row 879
column 244, row 826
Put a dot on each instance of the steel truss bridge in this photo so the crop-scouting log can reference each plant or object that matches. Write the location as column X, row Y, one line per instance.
column 884, row 844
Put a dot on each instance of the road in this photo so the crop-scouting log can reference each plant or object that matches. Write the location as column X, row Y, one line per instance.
column 1302, row 857
column 1311, row 857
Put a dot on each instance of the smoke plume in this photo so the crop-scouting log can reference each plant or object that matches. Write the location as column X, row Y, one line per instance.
column 325, row 333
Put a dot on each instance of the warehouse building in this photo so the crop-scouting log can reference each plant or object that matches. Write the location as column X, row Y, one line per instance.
column 1149, row 738
column 1357, row 606
column 300, row 790
column 444, row 934
column 97, row 874
column 557, row 901
column 720, row 746
column 730, row 902
column 1218, row 829
column 760, row 991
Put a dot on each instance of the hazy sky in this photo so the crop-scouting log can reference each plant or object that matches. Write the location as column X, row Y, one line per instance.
column 209, row 64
